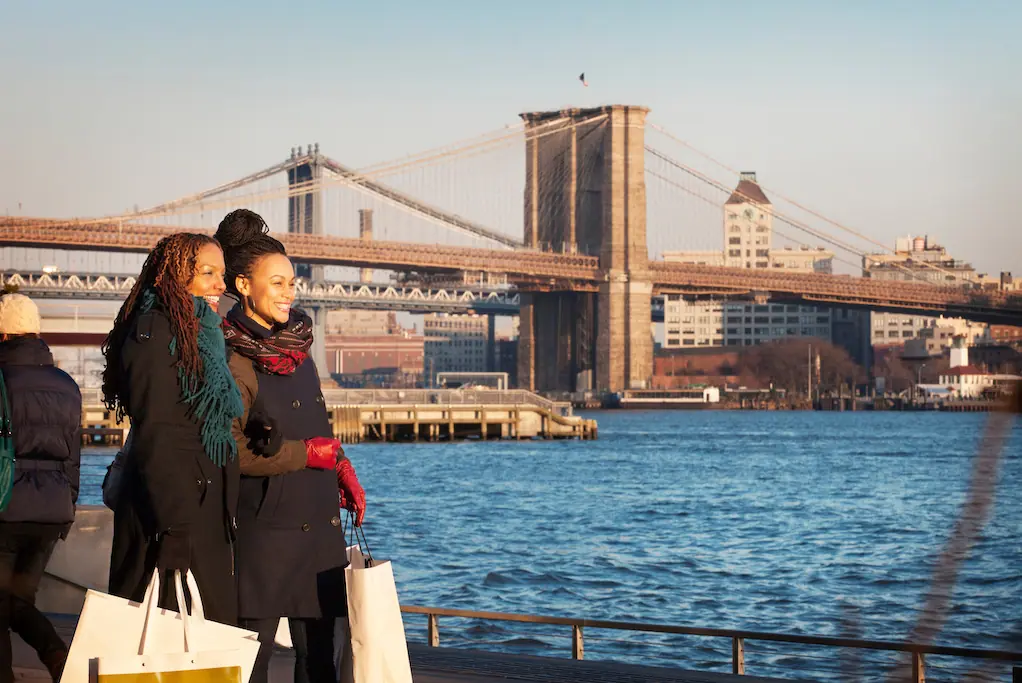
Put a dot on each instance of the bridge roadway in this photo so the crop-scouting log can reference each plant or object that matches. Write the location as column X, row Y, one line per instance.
column 370, row 296
column 353, row 295
column 557, row 272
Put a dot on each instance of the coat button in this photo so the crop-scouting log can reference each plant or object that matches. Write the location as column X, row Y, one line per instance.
column 296, row 403
column 306, row 527
column 319, row 399
column 335, row 521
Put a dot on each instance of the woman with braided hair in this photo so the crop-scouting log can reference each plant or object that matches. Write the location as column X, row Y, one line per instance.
column 291, row 546
column 166, row 370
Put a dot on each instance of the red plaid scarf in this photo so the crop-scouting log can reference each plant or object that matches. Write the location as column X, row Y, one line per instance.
column 279, row 354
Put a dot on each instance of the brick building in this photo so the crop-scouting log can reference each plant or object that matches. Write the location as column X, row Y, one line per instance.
column 355, row 354
column 713, row 366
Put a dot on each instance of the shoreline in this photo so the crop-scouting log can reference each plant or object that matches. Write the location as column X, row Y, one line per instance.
column 824, row 405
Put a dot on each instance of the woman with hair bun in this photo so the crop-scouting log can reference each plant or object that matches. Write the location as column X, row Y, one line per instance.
column 295, row 476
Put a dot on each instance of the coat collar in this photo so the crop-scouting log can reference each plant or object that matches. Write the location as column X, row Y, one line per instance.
column 25, row 351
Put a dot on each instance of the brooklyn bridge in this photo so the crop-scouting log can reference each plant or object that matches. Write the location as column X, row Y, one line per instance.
column 582, row 264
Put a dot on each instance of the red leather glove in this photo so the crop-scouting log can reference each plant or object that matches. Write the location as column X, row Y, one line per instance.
column 352, row 496
column 321, row 453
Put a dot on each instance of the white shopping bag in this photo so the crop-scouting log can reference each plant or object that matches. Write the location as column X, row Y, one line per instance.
column 283, row 637
column 342, row 636
column 378, row 646
column 119, row 639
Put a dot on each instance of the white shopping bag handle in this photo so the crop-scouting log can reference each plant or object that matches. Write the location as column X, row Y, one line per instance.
column 198, row 613
column 152, row 598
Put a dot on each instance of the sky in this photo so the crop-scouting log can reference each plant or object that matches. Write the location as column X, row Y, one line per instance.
column 894, row 117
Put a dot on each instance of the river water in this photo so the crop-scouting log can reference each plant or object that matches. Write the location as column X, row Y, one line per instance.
column 787, row 522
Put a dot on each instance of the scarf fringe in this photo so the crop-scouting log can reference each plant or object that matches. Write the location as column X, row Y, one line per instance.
column 213, row 399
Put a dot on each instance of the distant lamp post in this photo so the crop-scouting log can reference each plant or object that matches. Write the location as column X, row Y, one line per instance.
column 919, row 377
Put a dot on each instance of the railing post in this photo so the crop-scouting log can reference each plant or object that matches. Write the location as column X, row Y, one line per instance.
column 1016, row 674
column 918, row 667
column 738, row 655
column 432, row 631
column 577, row 644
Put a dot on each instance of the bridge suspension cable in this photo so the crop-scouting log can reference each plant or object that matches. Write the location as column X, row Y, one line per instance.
column 813, row 212
column 720, row 205
column 298, row 160
column 197, row 203
column 774, row 212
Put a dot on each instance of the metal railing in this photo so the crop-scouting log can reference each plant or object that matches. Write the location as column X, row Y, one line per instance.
column 917, row 652
column 336, row 397
column 92, row 398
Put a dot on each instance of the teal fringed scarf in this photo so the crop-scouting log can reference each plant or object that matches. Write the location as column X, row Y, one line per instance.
column 214, row 398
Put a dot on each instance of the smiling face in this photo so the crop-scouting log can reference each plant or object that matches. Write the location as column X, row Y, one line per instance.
column 208, row 280
column 268, row 292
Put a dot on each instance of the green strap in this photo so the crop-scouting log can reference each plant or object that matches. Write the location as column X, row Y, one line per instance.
column 6, row 447
column 5, row 417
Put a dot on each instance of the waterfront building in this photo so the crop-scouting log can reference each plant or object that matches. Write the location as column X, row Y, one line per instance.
column 748, row 243
column 967, row 381
column 915, row 259
column 939, row 334
column 354, row 354
column 455, row 343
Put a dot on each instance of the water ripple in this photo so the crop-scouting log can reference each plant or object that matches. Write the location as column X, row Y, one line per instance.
column 765, row 521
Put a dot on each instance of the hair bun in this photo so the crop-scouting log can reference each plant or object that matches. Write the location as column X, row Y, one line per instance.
column 240, row 227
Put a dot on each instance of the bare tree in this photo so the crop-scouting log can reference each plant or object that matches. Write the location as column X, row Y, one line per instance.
column 786, row 364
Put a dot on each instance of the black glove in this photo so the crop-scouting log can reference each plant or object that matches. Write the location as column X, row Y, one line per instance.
column 265, row 437
column 175, row 552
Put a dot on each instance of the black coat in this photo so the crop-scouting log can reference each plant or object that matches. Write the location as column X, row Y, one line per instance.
column 291, row 546
column 169, row 483
column 46, row 408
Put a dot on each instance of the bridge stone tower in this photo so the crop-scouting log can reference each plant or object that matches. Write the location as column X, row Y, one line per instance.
column 585, row 192
column 305, row 210
column 305, row 215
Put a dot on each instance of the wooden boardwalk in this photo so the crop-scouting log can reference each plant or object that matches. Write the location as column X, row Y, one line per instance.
column 449, row 665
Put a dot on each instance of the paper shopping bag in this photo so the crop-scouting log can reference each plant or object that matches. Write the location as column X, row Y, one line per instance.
column 111, row 629
column 378, row 646
column 199, row 662
column 283, row 635
column 206, row 667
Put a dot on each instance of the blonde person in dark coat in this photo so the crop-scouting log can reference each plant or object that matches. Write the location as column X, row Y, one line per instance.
column 46, row 407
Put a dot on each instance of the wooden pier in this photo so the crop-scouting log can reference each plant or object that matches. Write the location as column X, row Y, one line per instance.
column 456, row 422
column 408, row 416
column 99, row 425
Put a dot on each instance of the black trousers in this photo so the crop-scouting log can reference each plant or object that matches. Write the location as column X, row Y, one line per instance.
column 23, row 558
column 313, row 641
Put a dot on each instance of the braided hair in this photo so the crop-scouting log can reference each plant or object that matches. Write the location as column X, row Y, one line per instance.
column 245, row 239
column 168, row 270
